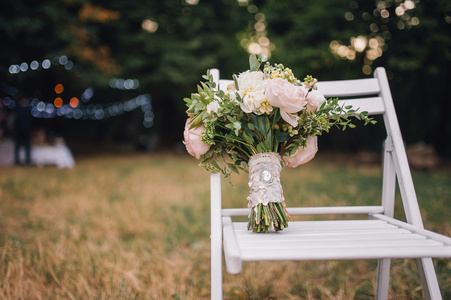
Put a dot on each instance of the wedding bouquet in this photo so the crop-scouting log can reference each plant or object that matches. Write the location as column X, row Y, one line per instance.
column 265, row 120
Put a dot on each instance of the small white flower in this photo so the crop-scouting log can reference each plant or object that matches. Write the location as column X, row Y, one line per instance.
column 314, row 100
column 213, row 106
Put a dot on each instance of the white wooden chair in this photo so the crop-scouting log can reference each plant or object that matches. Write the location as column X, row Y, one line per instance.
column 380, row 237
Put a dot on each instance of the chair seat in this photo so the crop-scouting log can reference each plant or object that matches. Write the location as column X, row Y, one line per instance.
column 376, row 238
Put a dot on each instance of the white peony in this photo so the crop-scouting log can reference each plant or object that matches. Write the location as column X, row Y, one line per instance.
column 251, row 88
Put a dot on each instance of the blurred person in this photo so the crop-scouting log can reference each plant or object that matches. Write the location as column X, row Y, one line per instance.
column 23, row 130
column 3, row 118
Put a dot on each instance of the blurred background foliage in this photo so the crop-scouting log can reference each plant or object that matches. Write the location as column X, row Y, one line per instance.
column 167, row 45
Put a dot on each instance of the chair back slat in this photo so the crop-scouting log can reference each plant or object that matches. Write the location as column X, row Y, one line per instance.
column 223, row 83
column 349, row 88
column 373, row 105
column 346, row 88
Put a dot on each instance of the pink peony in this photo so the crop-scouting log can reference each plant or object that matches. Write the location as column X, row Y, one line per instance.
column 288, row 97
column 303, row 155
column 194, row 145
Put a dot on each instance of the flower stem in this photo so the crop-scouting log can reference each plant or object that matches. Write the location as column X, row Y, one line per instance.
column 262, row 216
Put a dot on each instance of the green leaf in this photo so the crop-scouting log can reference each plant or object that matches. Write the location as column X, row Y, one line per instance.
column 282, row 136
column 268, row 141
column 249, row 131
column 196, row 121
column 233, row 168
column 261, row 148
column 254, row 63
column 215, row 165
column 235, row 80
column 263, row 124
column 247, row 138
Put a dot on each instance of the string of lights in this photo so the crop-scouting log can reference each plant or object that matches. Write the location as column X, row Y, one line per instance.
column 78, row 108
column 41, row 109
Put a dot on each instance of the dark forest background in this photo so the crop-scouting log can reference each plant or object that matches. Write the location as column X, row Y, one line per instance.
column 168, row 45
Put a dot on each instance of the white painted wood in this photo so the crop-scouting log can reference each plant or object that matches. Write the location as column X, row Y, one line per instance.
column 431, row 289
column 374, row 105
column 345, row 88
column 215, row 74
column 388, row 179
column 427, row 273
column 405, row 182
column 388, row 202
column 420, row 230
column 340, row 88
column 379, row 237
column 383, row 278
column 223, row 84
column 335, row 240
column 216, row 236
column 231, row 248
column 313, row 210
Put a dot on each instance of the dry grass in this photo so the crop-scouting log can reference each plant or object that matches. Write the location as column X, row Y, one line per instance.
column 137, row 227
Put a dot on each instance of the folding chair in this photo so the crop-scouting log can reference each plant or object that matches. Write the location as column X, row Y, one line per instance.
column 379, row 237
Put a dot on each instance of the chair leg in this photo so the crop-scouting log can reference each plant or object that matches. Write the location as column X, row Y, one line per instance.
column 383, row 278
column 216, row 270
column 216, row 237
column 431, row 289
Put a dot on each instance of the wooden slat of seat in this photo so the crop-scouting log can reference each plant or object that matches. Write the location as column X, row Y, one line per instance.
column 376, row 235
column 353, row 253
column 343, row 239
column 427, row 233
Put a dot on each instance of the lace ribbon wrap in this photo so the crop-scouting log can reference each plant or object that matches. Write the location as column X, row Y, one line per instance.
column 264, row 179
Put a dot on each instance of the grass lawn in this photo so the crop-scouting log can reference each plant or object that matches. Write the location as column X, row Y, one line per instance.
column 137, row 227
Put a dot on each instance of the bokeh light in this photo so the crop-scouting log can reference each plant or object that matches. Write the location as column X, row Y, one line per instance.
column 124, row 84
column 256, row 42
column 349, row 16
column 74, row 110
column 24, row 67
column 59, row 88
column 359, row 43
column 34, row 65
column 74, row 102
column 58, row 102
column 149, row 25
column 46, row 64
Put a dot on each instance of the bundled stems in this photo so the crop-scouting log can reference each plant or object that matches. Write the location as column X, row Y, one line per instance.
column 262, row 216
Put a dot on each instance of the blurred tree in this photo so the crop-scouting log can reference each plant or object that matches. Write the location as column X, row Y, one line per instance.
column 168, row 45
column 343, row 39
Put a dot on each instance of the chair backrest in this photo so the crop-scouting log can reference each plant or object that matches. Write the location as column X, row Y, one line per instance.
column 373, row 95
